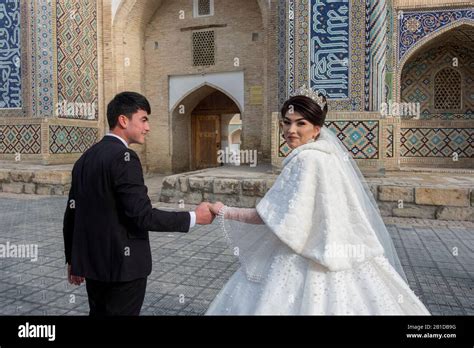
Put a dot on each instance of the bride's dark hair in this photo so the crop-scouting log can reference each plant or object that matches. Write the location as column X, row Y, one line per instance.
column 307, row 108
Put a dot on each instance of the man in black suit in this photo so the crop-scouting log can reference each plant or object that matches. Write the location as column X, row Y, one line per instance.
column 109, row 214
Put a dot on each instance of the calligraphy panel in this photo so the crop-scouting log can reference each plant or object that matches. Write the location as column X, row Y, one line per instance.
column 10, row 55
column 330, row 47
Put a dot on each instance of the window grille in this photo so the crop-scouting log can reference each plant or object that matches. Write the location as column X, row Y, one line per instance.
column 204, row 48
column 203, row 8
column 447, row 90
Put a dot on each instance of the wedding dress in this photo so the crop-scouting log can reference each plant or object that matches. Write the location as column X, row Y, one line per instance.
column 315, row 244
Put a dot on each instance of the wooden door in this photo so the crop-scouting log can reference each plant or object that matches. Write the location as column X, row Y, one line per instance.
column 207, row 140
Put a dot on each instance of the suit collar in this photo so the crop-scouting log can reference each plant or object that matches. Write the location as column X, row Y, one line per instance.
column 116, row 138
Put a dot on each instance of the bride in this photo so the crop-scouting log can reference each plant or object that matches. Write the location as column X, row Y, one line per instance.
column 316, row 243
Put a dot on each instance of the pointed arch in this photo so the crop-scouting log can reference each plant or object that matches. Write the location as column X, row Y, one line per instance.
column 230, row 84
column 421, row 45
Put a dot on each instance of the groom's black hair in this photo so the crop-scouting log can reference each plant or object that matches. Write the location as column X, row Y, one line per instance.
column 307, row 108
column 126, row 103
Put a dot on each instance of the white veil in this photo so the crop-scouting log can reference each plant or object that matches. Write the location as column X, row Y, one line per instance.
column 370, row 205
column 304, row 231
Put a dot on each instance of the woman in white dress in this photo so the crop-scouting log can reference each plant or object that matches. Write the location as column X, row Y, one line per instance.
column 316, row 243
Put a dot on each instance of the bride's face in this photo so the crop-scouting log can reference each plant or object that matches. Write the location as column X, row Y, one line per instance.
column 297, row 130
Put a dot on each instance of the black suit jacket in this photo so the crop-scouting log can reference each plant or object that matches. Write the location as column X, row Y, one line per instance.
column 109, row 214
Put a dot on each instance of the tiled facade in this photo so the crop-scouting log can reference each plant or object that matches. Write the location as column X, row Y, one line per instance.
column 70, row 139
column 60, row 50
column 23, row 139
column 77, row 56
column 42, row 58
column 360, row 53
column 415, row 26
column 436, row 142
column 10, row 55
column 398, row 69
column 440, row 137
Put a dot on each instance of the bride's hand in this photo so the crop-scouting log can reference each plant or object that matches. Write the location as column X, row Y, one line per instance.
column 216, row 207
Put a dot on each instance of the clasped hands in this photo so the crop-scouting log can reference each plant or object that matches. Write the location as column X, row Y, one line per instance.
column 206, row 212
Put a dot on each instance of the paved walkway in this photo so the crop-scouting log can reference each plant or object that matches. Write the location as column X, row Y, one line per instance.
column 190, row 269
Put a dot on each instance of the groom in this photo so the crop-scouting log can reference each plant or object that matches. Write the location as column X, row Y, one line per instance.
column 109, row 214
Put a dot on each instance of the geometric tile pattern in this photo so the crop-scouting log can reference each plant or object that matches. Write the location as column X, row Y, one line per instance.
column 390, row 37
column 437, row 142
column 10, row 55
column 417, row 80
column 42, row 58
column 282, row 52
column 388, row 136
column 291, row 47
column 360, row 138
column 302, row 14
column 76, row 28
column 284, row 149
column 376, row 53
column 414, row 26
column 23, row 139
column 330, row 48
column 356, row 102
column 69, row 139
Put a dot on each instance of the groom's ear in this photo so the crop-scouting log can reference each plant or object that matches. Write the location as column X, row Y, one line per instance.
column 122, row 121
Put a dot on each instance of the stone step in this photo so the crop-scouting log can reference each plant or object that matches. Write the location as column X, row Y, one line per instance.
column 443, row 196
column 39, row 181
column 408, row 200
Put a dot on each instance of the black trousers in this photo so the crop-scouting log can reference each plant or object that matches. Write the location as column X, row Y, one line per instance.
column 115, row 298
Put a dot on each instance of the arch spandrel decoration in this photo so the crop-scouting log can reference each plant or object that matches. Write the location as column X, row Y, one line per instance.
column 414, row 44
column 436, row 138
column 417, row 27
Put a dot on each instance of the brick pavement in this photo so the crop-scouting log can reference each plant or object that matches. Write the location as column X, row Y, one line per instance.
column 190, row 269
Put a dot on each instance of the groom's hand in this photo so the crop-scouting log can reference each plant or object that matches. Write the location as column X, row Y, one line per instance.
column 76, row 280
column 204, row 215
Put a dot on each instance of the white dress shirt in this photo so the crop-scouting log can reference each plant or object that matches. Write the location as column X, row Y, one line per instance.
column 120, row 138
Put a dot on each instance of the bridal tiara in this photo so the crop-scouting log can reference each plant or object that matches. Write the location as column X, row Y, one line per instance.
column 308, row 92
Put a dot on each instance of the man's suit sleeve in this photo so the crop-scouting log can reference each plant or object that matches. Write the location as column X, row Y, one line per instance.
column 132, row 195
column 68, row 222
